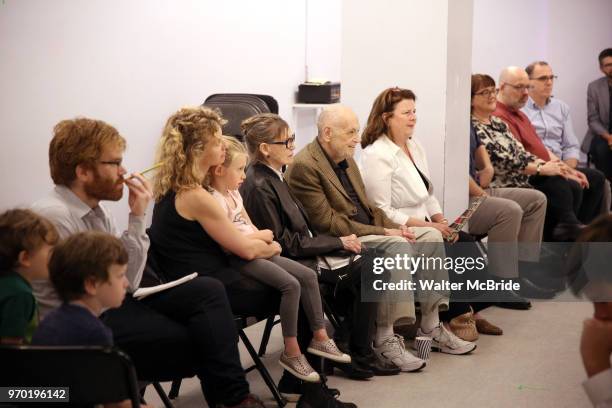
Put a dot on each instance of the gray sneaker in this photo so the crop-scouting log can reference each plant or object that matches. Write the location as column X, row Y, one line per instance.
column 299, row 367
column 393, row 352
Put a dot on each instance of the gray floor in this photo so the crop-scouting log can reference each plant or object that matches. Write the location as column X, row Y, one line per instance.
column 534, row 364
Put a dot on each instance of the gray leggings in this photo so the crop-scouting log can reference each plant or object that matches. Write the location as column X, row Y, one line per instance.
column 296, row 283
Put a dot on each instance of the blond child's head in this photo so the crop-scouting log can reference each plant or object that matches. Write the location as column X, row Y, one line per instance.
column 230, row 174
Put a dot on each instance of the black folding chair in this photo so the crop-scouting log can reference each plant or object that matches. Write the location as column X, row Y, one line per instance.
column 241, row 324
column 236, row 107
column 93, row 375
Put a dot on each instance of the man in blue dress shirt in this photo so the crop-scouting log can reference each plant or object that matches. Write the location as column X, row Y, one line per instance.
column 552, row 121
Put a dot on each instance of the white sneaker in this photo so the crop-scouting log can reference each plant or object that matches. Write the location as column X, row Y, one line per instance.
column 444, row 341
column 393, row 353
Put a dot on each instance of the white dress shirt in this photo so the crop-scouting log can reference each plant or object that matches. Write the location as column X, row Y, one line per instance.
column 393, row 182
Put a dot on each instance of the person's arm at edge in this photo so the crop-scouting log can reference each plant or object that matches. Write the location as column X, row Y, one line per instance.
column 593, row 116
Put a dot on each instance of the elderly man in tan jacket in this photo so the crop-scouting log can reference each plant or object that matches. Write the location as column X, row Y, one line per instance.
column 327, row 181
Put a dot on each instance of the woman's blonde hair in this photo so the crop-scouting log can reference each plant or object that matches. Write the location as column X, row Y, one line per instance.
column 261, row 128
column 184, row 138
column 233, row 147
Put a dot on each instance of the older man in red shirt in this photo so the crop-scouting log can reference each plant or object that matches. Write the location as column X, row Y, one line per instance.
column 513, row 95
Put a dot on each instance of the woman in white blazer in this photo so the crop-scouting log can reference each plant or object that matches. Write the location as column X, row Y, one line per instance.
column 396, row 177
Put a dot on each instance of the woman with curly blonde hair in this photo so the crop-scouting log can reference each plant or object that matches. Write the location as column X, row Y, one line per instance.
column 189, row 227
column 190, row 231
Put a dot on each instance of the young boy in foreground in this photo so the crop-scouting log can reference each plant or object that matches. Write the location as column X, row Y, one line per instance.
column 88, row 273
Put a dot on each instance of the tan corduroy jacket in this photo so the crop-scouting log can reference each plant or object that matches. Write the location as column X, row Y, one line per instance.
column 313, row 181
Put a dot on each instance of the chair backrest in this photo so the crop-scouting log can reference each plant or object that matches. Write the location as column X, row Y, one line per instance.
column 94, row 375
column 236, row 107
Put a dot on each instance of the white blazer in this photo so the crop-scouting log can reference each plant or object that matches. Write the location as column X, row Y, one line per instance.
column 393, row 183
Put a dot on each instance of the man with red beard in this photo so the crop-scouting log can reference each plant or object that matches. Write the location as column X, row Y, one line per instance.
column 185, row 330
column 85, row 158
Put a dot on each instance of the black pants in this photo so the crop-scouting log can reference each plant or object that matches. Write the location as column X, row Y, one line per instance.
column 183, row 331
column 591, row 198
column 563, row 201
column 344, row 298
column 601, row 155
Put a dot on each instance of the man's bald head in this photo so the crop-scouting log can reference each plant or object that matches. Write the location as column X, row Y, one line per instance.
column 335, row 116
column 513, row 87
column 338, row 131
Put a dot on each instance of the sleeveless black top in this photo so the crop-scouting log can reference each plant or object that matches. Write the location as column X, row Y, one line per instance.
column 181, row 246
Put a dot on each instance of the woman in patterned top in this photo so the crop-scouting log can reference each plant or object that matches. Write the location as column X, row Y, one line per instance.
column 515, row 167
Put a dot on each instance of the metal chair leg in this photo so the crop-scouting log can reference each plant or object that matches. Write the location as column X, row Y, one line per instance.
column 175, row 388
column 266, row 336
column 162, row 395
column 331, row 315
column 262, row 369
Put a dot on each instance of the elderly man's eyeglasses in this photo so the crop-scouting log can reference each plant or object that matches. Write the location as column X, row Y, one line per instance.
column 520, row 88
column 488, row 92
column 545, row 78
column 289, row 143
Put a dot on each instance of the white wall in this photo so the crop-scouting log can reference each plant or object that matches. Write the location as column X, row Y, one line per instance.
column 323, row 50
column 567, row 34
column 324, row 42
column 405, row 43
column 131, row 63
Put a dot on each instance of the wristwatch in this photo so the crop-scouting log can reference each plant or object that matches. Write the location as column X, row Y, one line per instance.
column 538, row 168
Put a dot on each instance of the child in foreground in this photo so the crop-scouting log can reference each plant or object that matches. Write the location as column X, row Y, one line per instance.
column 26, row 239
column 296, row 282
column 88, row 273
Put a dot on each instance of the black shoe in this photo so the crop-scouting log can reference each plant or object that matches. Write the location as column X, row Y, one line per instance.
column 370, row 362
column 354, row 371
column 291, row 388
column 543, row 279
column 533, row 291
column 564, row 232
column 317, row 395
column 512, row 300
